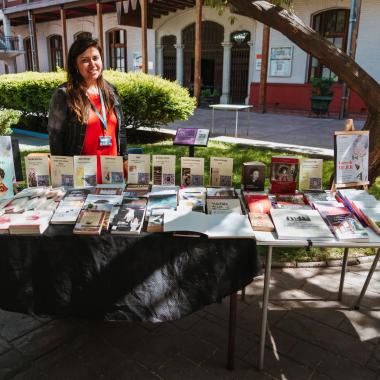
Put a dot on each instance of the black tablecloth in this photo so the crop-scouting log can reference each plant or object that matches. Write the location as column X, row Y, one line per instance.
column 152, row 277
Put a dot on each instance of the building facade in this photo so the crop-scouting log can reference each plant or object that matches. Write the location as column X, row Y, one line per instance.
column 231, row 52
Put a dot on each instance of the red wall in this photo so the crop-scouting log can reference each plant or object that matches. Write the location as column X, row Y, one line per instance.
column 296, row 97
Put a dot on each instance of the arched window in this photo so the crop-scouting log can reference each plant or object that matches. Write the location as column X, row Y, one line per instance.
column 55, row 52
column 28, row 54
column 333, row 25
column 82, row 35
column 117, row 49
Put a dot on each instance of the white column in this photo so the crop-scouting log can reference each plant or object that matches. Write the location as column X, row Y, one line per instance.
column 6, row 30
column 250, row 69
column 159, row 60
column 179, row 63
column 225, row 98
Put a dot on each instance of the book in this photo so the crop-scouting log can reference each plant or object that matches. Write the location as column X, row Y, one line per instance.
column 192, row 171
column 85, row 168
column 130, row 218
column 318, row 196
column 294, row 201
column 300, row 224
column 346, row 227
column 163, row 169
column 112, row 169
column 258, row 203
column 7, row 169
column 138, row 169
column 253, row 176
column 310, row 176
column 77, row 194
column 89, row 222
column 94, row 201
column 261, row 222
column 192, row 199
column 62, row 171
column 230, row 225
column 5, row 221
column 162, row 201
column 67, row 212
column 220, row 192
column 109, row 189
column 37, row 169
column 30, row 223
column 221, row 169
column 351, row 153
column 219, row 206
column 284, row 170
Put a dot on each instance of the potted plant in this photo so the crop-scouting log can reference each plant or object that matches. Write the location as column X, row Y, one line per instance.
column 209, row 97
column 321, row 95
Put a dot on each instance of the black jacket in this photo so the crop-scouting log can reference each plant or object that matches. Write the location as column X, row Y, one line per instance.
column 66, row 133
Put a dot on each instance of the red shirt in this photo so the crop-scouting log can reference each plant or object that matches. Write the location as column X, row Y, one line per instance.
column 91, row 146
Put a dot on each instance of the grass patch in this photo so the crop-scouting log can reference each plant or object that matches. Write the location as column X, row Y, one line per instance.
column 242, row 154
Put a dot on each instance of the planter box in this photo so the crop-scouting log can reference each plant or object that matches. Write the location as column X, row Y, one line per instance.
column 320, row 104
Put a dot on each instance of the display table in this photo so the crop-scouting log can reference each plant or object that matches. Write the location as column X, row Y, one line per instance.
column 228, row 107
column 270, row 240
column 152, row 277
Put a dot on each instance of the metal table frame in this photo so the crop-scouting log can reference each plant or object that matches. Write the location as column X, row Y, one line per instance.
column 228, row 107
column 269, row 240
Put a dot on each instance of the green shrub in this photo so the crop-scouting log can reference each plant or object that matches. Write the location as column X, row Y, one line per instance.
column 8, row 119
column 147, row 100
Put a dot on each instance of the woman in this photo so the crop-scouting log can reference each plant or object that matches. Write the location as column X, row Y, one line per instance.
column 85, row 116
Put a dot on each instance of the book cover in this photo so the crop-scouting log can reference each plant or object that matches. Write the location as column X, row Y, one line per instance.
column 62, row 171
column 192, row 171
column 67, row 212
column 192, row 198
column 300, row 224
column 89, row 222
column 346, row 227
column 259, row 203
column 351, row 157
column 220, row 192
column 138, row 169
column 310, row 176
column 31, row 222
column 37, row 169
column 112, row 169
column 7, row 170
column 229, row 225
column 253, row 176
column 110, row 189
column 161, row 201
column 219, row 206
column 85, row 168
column 129, row 219
column 221, row 171
column 284, row 172
column 96, row 201
column 77, row 194
column 261, row 222
column 163, row 169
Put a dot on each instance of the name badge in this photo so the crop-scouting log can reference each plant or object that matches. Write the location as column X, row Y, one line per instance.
column 105, row 141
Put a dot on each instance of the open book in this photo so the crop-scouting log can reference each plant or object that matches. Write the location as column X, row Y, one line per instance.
column 231, row 225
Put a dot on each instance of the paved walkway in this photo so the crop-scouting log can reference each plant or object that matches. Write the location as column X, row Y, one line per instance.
column 311, row 337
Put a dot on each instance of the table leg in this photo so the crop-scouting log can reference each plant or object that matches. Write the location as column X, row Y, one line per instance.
column 343, row 273
column 232, row 331
column 236, row 122
column 264, row 315
column 212, row 121
column 368, row 279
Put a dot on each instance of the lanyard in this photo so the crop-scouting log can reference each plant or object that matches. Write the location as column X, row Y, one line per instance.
column 103, row 117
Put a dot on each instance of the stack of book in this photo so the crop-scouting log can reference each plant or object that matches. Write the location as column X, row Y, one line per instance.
column 258, row 206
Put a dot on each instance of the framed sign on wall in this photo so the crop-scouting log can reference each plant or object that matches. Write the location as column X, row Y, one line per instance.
column 281, row 61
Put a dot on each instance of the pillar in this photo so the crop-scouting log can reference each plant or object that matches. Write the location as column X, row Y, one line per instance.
column 225, row 98
column 251, row 69
column 179, row 63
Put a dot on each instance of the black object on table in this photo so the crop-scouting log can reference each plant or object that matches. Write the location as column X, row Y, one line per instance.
column 152, row 277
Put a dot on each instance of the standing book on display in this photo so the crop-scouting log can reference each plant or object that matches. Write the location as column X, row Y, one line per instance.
column 163, row 169
column 253, row 176
column 7, row 171
column 112, row 169
column 221, row 171
column 351, row 152
column 62, row 171
column 85, row 168
column 138, row 169
column 37, row 169
column 310, row 177
column 192, row 171
column 284, row 172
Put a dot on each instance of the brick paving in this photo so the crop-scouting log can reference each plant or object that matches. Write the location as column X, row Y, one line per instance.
column 311, row 336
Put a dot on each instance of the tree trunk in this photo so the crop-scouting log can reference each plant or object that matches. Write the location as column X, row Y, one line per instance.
column 340, row 63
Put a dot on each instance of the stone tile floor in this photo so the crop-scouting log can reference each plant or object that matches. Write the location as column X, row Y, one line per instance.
column 311, row 336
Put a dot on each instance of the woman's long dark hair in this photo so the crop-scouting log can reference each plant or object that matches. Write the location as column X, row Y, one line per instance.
column 76, row 86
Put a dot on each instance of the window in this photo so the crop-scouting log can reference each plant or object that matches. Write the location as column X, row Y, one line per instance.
column 56, row 52
column 28, row 54
column 332, row 25
column 117, row 49
column 82, row 35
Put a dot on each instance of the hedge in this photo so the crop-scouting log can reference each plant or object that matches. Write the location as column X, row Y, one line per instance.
column 147, row 100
